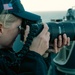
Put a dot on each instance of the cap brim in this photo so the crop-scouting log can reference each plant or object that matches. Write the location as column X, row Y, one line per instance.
column 28, row 15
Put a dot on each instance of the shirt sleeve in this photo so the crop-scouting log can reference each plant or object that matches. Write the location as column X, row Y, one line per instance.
column 33, row 63
column 4, row 69
column 48, row 61
column 1, row 72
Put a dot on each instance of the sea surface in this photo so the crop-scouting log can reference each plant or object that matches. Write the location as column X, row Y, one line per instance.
column 46, row 17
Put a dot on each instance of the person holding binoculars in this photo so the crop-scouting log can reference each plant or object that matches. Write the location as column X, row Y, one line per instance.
column 29, row 62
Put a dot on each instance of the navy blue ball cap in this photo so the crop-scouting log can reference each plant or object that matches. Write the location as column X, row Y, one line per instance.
column 15, row 7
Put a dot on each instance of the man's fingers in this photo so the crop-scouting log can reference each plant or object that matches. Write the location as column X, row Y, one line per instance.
column 55, row 46
column 48, row 34
column 59, row 41
column 64, row 39
column 68, row 41
column 45, row 30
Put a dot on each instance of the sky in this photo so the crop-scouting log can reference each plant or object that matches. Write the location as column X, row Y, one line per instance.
column 47, row 5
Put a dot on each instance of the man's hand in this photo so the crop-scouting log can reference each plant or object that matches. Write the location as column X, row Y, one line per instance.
column 58, row 44
column 41, row 42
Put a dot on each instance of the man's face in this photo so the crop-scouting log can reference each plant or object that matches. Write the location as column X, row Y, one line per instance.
column 8, row 35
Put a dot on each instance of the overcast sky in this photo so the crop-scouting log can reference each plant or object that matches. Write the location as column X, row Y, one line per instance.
column 47, row 5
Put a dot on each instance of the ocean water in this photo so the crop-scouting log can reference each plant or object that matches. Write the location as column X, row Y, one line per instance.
column 46, row 17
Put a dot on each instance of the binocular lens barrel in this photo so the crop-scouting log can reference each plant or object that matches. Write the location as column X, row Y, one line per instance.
column 59, row 28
